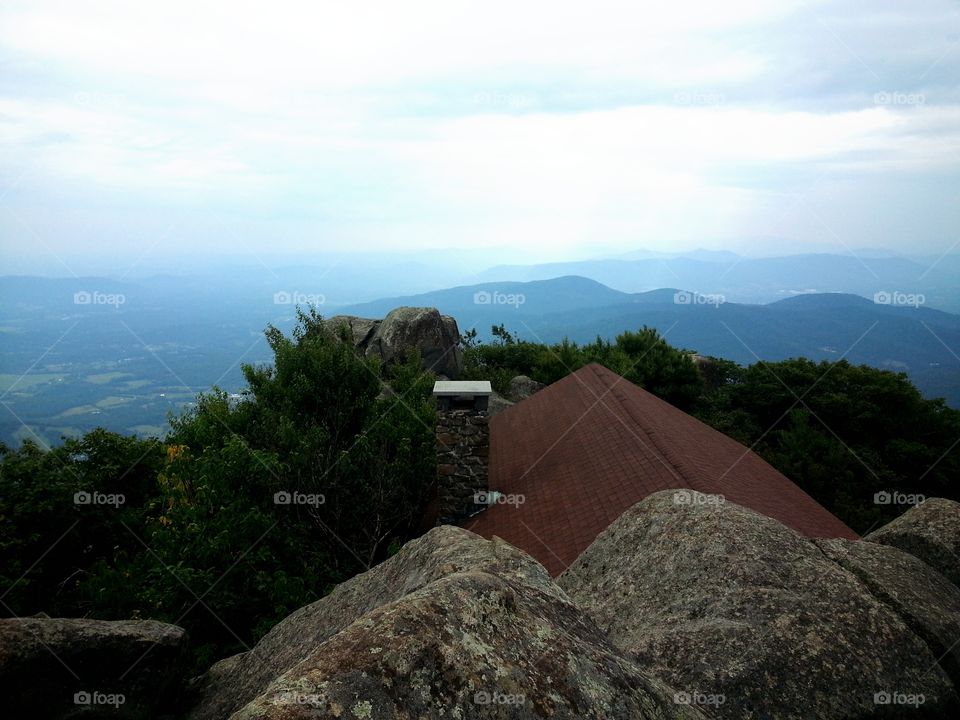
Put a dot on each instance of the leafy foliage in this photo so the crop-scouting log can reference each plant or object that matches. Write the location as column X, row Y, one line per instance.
column 56, row 521
column 247, row 511
column 643, row 357
column 843, row 433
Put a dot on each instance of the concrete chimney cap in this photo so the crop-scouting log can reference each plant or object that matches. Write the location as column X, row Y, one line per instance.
column 461, row 388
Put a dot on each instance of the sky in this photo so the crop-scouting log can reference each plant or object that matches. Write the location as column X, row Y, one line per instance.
column 138, row 136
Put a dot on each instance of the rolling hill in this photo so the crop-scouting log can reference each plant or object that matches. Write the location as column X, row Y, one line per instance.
column 760, row 280
column 918, row 340
column 68, row 366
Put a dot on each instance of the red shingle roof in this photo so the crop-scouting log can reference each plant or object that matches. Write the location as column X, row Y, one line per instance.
column 591, row 445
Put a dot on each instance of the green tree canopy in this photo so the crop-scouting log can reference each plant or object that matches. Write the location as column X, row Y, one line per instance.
column 843, row 433
column 248, row 510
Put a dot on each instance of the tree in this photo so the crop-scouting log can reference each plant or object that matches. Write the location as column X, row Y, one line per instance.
column 843, row 433
column 248, row 510
column 657, row 366
column 304, row 482
column 61, row 510
column 320, row 410
column 643, row 357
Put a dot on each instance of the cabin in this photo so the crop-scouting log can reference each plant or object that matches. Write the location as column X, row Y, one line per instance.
column 550, row 473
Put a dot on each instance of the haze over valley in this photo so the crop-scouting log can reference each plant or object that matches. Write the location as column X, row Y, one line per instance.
column 85, row 352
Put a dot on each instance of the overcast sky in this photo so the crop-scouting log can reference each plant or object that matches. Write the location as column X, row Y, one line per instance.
column 141, row 132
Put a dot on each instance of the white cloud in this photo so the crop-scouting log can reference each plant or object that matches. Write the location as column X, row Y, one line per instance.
column 443, row 122
column 343, row 44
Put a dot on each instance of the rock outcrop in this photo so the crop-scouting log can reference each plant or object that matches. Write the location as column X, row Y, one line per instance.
column 521, row 387
column 685, row 607
column 929, row 531
column 453, row 626
column 360, row 329
column 723, row 603
column 497, row 404
column 923, row 598
column 68, row 667
column 435, row 336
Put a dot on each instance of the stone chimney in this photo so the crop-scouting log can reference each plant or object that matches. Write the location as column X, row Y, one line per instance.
column 463, row 447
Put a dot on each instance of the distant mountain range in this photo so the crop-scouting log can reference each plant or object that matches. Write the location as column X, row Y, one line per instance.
column 349, row 279
column 918, row 340
column 80, row 352
column 760, row 280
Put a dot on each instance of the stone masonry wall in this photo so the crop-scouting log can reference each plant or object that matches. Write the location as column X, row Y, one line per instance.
column 463, row 449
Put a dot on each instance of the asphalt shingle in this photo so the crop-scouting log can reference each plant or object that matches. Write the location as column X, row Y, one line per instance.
column 591, row 445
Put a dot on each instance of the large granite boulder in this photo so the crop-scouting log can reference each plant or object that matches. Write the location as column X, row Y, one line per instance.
column 70, row 667
column 726, row 604
column 929, row 531
column 521, row 387
column 471, row 645
column 923, row 598
column 359, row 329
column 453, row 626
column 497, row 403
column 404, row 329
column 436, row 337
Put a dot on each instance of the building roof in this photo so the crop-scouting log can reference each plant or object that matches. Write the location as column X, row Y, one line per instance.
column 583, row 450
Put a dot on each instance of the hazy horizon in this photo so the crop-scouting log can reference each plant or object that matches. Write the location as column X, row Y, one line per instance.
column 462, row 263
